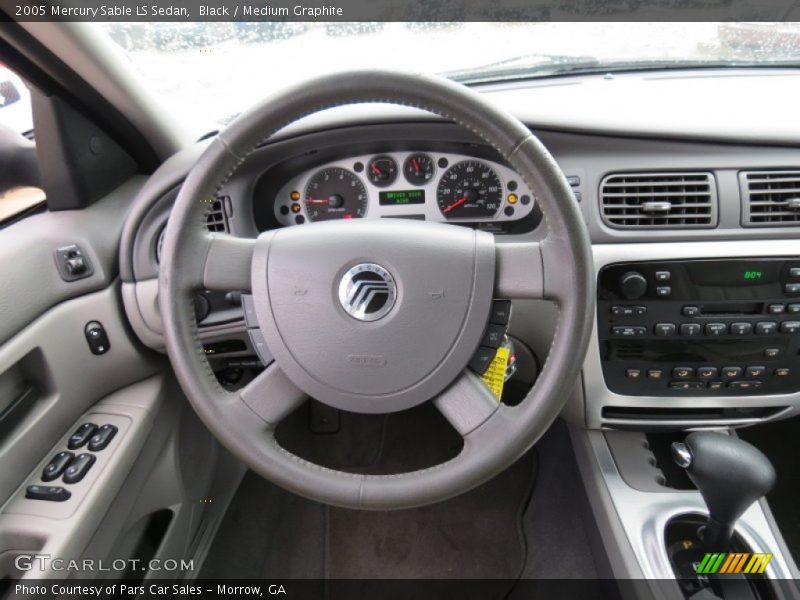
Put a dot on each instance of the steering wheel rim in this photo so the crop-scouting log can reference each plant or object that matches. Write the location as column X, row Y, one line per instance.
column 559, row 268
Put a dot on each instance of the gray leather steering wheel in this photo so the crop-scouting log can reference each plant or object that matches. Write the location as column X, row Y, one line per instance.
column 444, row 278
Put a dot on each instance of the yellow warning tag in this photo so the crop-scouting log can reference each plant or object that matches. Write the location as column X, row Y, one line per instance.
column 495, row 375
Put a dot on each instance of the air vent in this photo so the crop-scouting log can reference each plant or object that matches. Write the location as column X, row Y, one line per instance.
column 659, row 200
column 771, row 198
column 217, row 215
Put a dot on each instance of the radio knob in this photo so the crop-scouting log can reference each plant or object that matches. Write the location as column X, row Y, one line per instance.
column 633, row 285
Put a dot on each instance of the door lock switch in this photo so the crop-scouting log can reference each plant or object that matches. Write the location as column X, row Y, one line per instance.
column 56, row 466
column 78, row 468
column 102, row 438
column 81, row 436
column 96, row 337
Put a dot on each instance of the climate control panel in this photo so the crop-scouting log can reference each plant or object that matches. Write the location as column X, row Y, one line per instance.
column 700, row 327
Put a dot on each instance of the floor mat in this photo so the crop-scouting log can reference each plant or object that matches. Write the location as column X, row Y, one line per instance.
column 475, row 535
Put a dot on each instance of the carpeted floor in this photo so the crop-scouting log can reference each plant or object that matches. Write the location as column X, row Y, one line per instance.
column 525, row 522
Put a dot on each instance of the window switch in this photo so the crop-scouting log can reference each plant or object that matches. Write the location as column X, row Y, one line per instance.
column 102, row 438
column 47, row 492
column 81, row 436
column 78, row 468
column 56, row 466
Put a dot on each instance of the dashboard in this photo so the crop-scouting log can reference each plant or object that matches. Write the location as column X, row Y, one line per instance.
column 428, row 186
column 709, row 210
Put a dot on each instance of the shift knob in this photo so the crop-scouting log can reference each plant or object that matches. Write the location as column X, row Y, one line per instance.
column 730, row 475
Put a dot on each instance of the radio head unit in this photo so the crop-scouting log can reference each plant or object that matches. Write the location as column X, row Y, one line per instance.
column 700, row 327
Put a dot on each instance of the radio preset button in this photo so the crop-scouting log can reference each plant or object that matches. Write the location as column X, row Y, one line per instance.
column 741, row 328
column 776, row 309
column 682, row 372
column 707, row 372
column 631, row 331
column 790, row 326
column 691, row 329
column 690, row 311
column 793, row 308
column 766, row 327
column 755, row 372
column 772, row 352
column 716, row 329
column 731, row 372
column 664, row 329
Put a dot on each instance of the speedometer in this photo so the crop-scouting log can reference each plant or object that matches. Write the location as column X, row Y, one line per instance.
column 469, row 190
column 335, row 193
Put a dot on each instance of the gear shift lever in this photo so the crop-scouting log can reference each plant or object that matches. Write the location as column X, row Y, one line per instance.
column 730, row 474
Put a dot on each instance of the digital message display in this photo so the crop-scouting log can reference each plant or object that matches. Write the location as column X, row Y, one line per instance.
column 401, row 197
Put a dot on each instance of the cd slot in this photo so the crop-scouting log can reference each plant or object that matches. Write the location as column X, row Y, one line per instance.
column 732, row 308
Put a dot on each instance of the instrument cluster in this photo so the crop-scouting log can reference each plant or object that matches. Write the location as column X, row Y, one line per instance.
column 430, row 186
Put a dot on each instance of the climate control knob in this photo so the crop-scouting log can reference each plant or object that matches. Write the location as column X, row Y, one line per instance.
column 633, row 285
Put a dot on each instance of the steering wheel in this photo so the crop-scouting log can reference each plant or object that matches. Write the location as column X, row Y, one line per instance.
column 318, row 290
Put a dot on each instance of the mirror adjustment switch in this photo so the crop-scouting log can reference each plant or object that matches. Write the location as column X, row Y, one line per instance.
column 102, row 438
column 56, row 466
column 96, row 337
column 72, row 263
column 47, row 492
column 78, row 468
column 81, row 436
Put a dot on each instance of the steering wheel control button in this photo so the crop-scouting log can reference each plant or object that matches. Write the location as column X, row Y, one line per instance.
column 766, row 327
column 78, row 468
column 482, row 359
column 628, row 331
column 691, row 329
column 741, row 328
column 96, row 337
column 716, row 329
column 493, row 336
column 731, row 372
column 682, row 373
column 790, row 326
column 102, row 438
column 47, row 492
column 249, row 309
column 56, row 466
column 501, row 312
column 664, row 329
column 367, row 292
column 261, row 347
column 81, row 436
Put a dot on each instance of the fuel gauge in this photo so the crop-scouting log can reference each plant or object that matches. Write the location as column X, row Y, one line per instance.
column 382, row 171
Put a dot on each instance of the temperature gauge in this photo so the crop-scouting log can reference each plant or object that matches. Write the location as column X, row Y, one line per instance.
column 382, row 171
column 418, row 169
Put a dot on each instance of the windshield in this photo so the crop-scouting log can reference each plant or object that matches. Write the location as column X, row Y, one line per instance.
column 209, row 72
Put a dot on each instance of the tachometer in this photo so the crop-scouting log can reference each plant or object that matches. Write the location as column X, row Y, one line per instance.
column 469, row 190
column 335, row 193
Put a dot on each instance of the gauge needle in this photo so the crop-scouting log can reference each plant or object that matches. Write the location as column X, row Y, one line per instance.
column 312, row 201
column 455, row 204
column 375, row 170
column 415, row 164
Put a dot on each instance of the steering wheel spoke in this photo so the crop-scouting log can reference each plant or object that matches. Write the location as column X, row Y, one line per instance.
column 227, row 264
column 520, row 270
column 467, row 403
column 272, row 396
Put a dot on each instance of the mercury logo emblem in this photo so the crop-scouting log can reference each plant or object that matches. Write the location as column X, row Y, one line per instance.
column 367, row 292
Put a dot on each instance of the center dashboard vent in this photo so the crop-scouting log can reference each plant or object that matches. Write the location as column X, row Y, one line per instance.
column 659, row 200
column 770, row 198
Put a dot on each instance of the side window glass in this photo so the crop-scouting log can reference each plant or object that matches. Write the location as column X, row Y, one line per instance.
column 20, row 181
